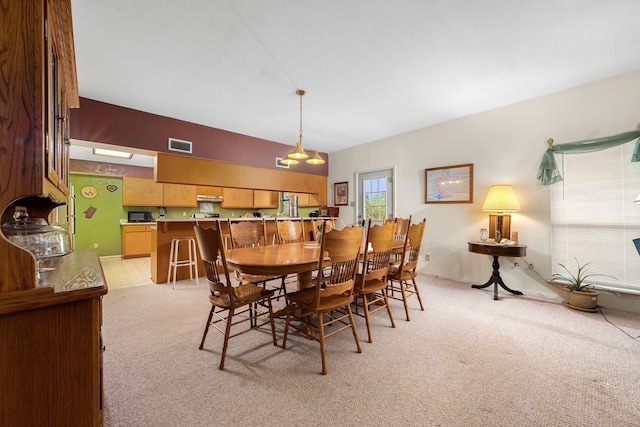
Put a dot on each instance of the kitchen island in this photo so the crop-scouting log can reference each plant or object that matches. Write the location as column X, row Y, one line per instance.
column 170, row 228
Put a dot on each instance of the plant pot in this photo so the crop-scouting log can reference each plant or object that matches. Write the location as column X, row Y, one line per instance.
column 585, row 300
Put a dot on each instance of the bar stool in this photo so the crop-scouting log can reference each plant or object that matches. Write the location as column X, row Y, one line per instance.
column 175, row 261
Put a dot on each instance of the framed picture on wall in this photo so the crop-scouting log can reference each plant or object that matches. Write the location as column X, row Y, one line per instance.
column 449, row 184
column 341, row 193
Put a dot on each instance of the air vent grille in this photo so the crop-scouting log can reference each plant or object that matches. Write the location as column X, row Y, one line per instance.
column 179, row 145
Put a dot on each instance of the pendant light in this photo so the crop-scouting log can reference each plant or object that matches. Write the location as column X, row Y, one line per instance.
column 298, row 153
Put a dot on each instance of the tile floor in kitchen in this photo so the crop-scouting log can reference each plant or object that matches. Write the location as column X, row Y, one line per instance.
column 122, row 273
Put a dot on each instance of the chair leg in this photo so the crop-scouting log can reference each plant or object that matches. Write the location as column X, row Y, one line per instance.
column 206, row 328
column 273, row 325
column 404, row 299
column 321, row 333
column 353, row 328
column 286, row 326
column 227, row 332
column 415, row 287
column 386, row 302
column 365, row 304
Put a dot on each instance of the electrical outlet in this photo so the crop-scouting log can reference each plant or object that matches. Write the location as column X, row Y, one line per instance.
column 95, row 246
column 184, row 213
column 427, row 257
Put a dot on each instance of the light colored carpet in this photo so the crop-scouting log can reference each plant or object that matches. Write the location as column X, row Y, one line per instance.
column 467, row 360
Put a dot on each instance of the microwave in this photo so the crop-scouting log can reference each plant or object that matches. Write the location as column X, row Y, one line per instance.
column 139, row 216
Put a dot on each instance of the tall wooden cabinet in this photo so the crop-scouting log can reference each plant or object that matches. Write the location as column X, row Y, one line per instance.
column 50, row 326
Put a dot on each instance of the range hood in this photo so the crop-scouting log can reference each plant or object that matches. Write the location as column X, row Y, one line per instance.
column 206, row 198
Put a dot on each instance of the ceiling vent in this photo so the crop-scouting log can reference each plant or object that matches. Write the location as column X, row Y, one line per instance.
column 179, row 145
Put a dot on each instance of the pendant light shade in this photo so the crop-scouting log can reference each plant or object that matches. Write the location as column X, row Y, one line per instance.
column 315, row 159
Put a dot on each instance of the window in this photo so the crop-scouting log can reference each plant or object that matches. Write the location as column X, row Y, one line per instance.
column 375, row 195
column 593, row 217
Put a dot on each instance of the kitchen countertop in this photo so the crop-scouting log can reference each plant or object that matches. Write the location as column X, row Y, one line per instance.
column 124, row 222
column 237, row 218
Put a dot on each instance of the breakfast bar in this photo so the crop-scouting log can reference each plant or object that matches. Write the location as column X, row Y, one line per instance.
column 166, row 230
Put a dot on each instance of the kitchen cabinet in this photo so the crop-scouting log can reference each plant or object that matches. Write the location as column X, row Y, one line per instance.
column 248, row 199
column 306, row 199
column 147, row 192
column 141, row 192
column 237, row 198
column 206, row 190
column 265, row 199
column 179, row 195
column 136, row 240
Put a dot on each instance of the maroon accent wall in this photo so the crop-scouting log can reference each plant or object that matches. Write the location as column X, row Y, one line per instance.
column 97, row 121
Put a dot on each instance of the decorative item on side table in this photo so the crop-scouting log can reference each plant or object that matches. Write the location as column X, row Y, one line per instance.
column 577, row 293
column 502, row 200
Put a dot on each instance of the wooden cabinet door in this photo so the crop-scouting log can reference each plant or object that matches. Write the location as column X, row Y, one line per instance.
column 141, row 192
column 306, row 199
column 135, row 241
column 179, row 195
column 265, row 199
column 237, row 198
column 205, row 190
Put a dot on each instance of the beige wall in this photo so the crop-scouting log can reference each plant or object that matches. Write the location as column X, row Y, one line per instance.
column 505, row 145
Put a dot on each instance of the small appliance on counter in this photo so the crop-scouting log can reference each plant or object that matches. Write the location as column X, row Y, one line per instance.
column 139, row 216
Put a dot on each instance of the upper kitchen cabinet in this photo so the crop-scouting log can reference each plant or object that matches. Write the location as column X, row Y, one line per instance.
column 237, row 198
column 206, row 190
column 38, row 67
column 307, row 199
column 179, row 195
column 265, row 199
column 147, row 192
column 141, row 192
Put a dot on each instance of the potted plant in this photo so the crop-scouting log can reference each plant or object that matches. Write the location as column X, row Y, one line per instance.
column 578, row 295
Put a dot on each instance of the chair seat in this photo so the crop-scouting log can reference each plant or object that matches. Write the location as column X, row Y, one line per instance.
column 305, row 296
column 369, row 286
column 249, row 293
column 405, row 275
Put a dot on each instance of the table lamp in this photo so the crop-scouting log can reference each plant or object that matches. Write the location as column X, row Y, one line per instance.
column 500, row 199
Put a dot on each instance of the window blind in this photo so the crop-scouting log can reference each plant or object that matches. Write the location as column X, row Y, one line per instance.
column 593, row 217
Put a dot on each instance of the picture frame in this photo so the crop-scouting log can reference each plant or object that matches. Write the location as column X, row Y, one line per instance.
column 341, row 193
column 449, row 184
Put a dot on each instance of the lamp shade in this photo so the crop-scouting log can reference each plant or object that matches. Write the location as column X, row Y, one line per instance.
column 501, row 198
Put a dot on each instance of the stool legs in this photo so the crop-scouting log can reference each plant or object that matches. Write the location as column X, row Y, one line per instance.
column 175, row 261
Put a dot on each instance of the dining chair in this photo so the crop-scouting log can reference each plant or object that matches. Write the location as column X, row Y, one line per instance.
column 228, row 302
column 333, row 290
column 316, row 227
column 402, row 275
column 245, row 234
column 371, row 283
column 289, row 230
column 402, row 225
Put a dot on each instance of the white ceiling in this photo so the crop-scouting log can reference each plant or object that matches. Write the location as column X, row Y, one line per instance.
column 371, row 68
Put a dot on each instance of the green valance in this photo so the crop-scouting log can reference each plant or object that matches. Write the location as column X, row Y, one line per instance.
column 548, row 172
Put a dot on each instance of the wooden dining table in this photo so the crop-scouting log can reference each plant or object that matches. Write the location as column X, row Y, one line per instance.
column 277, row 260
